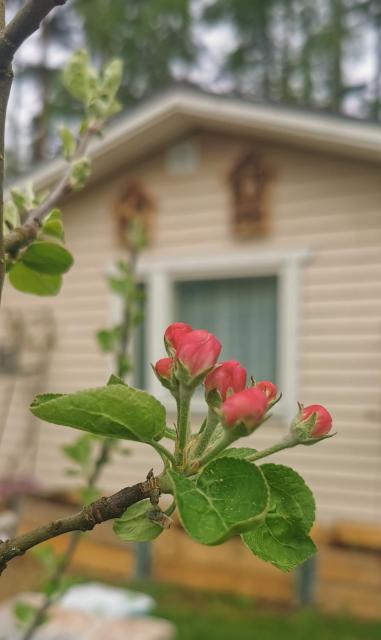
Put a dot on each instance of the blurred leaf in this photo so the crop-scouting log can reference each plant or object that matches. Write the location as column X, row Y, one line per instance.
column 47, row 257
column 24, row 612
column 30, row 281
column 80, row 451
column 135, row 526
column 79, row 78
column 69, row 143
column 80, row 172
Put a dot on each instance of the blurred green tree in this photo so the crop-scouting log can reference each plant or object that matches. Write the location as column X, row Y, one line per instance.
column 152, row 37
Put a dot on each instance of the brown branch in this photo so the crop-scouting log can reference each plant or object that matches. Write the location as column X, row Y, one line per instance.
column 95, row 513
column 25, row 22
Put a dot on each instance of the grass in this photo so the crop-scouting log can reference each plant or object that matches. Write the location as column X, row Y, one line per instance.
column 206, row 616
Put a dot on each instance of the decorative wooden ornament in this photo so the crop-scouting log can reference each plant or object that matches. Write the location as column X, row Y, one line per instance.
column 133, row 204
column 249, row 181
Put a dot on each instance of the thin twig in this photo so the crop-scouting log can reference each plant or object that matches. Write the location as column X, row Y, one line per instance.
column 27, row 232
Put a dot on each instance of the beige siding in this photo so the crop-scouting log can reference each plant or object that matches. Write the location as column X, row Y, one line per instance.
column 328, row 205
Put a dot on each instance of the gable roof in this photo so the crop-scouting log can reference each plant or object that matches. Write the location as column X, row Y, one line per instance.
column 181, row 109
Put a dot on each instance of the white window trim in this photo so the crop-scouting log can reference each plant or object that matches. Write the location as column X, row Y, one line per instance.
column 160, row 274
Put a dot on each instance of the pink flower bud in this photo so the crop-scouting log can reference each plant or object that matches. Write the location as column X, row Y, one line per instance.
column 164, row 368
column 323, row 420
column 173, row 335
column 268, row 388
column 247, row 407
column 229, row 375
column 198, row 351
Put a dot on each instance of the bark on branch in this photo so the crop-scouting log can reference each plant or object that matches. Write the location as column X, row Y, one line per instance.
column 25, row 22
column 95, row 513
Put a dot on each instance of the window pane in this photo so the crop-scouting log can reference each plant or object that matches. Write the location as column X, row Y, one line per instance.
column 242, row 313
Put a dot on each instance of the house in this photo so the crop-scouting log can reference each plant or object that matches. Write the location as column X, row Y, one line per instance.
column 265, row 228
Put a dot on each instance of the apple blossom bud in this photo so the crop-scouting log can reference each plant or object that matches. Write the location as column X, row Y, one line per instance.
column 323, row 420
column 197, row 351
column 245, row 407
column 269, row 389
column 173, row 335
column 164, row 368
column 227, row 376
column 311, row 423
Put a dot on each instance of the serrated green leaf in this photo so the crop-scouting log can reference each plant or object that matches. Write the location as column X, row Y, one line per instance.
column 228, row 497
column 237, row 452
column 115, row 411
column 47, row 257
column 135, row 526
column 31, row 281
column 282, row 538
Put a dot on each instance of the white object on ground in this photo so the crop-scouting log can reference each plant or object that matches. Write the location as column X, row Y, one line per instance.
column 100, row 599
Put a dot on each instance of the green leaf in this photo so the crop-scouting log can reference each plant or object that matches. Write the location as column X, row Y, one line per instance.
column 115, row 411
column 113, row 379
column 24, row 612
column 79, row 78
column 30, row 281
column 80, row 171
column 80, row 451
column 135, row 526
column 282, row 538
column 69, row 143
column 228, row 497
column 237, row 452
column 47, row 257
column 112, row 77
column 53, row 226
column 106, row 339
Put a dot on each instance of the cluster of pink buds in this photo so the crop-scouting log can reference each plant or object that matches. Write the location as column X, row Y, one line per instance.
column 192, row 359
column 192, row 354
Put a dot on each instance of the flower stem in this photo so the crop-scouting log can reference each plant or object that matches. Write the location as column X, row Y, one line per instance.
column 183, row 423
column 288, row 443
column 163, row 452
column 206, row 434
column 211, row 453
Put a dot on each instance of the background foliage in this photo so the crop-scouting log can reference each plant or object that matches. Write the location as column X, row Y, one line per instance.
column 325, row 55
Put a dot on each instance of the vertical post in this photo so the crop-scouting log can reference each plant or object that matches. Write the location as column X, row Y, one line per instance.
column 288, row 333
column 143, row 560
column 158, row 315
column 305, row 583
